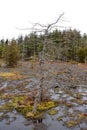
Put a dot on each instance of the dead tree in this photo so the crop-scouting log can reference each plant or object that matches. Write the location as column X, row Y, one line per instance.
column 42, row 57
column 45, row 29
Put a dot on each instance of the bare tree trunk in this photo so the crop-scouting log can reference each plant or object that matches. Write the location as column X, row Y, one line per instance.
column 36, row 102
column 39, row 96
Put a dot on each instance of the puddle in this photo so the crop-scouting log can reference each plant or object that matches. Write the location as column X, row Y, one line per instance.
column 55, row 97
column 3, row 85
column 83, row 126
column 82, row 89
column 17, row 124
column 81, row 108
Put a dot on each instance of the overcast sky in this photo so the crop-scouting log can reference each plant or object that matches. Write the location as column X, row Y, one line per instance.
column 19, row 13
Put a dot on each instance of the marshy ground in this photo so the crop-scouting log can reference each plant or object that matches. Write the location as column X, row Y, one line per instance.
column 66, row 84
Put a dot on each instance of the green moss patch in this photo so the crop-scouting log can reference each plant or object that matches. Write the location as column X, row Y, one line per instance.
column 46, row 105
column 24, row 105
column 71, row 123
column 53, row 112
column 32, row 115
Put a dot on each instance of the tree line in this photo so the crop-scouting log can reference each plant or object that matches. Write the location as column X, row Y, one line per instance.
column 63, row 45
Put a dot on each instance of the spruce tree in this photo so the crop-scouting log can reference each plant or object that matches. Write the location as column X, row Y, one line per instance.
column 11, row 54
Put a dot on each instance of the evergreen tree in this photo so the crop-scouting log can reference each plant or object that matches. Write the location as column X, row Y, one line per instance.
column 11, row 54
column 81, row 55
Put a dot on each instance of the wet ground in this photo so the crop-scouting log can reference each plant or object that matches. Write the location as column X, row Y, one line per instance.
column 72, row 103
column 67, row 85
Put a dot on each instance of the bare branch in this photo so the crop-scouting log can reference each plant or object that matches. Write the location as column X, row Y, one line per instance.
column 38, row 24
column 56, row 27
column 57, row 19
column 50, row 25
column 64, row 20
column 44, row 28
column 34, row 29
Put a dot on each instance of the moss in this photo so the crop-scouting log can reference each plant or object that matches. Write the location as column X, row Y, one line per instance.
column 7, row 107
column 46, row 105
column 25, row 106
column 32, row 115
column 60, row 118
column 71, row 123
column 24, row 109
column 82, row 116
column 53, row 112
column 11, row 75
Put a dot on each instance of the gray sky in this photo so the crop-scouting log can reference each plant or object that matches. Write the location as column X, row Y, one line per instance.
column 19, row 13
